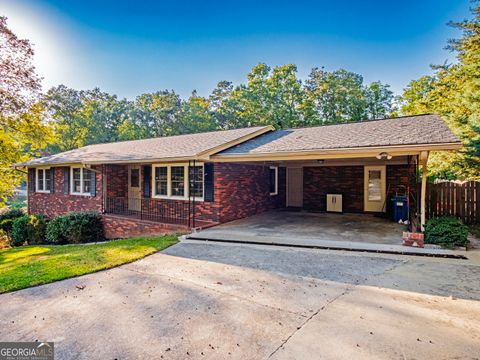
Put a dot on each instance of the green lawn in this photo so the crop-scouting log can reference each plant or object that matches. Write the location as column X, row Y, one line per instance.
column 27, row 266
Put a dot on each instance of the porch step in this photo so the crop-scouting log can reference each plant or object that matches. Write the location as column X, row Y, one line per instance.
column 331, row 245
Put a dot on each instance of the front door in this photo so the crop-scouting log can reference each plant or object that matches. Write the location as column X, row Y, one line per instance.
column 375, row 188
column 134, row 193
column 295, row 187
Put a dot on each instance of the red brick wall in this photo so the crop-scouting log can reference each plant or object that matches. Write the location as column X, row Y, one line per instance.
column 242, row 190
column 239, row 190
column 117, row 180
column 398, row 178
column 117, row 227
column 58, row 203
column 346, row 180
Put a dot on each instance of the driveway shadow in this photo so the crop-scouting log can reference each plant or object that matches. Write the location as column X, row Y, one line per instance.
column 454, row 278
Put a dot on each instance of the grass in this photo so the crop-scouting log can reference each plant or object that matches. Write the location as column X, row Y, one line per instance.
column 26, row 266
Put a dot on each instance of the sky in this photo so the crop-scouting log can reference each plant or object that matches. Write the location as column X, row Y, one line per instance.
column 132, row 47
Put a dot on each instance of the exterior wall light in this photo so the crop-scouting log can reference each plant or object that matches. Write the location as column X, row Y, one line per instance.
column 384, row 156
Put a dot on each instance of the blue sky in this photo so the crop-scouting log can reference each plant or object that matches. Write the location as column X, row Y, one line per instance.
column 129, row 48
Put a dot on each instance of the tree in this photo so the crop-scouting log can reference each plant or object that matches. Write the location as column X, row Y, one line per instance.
column 337, row 96
column 379, row 100
column 19, row 84
column 270, row 97
column 221, row 110
column 454, row 93
column 103, row 114
column 158, row 113
column 414, row 99
column 195, row 116
column 23, row 131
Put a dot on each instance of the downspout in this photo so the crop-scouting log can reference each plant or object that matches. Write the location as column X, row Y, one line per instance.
column 189, row 196
column 194, row 177
column 104, row 188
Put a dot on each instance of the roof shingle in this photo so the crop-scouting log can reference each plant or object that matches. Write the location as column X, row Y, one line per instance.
column 161, row 148
column 408, row 130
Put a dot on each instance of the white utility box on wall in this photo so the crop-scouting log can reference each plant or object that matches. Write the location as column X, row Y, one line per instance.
column 335, row 203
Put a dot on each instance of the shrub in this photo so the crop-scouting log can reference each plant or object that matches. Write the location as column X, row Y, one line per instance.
column 11, row 214
column 446, row 231
column 6, row 226
column 6, row 221
column 75, row 228
column 28, row 228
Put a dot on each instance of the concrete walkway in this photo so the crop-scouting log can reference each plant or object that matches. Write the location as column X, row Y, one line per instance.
column 356, row 232
column 222, row 301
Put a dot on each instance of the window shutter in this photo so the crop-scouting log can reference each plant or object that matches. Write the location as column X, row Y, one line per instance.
column 147, row 181
column 31, row 180
column 66, row 180
column 208, row 182
column 52, row 180
column 93, row 183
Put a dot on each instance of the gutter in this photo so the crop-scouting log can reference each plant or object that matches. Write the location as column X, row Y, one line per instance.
column 356, row 151
column 213, row 154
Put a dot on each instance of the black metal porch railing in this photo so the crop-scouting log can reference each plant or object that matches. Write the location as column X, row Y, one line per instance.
column 164, row 210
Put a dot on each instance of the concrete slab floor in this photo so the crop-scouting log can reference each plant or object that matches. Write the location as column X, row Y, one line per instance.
column 357, row 232
column 220, row 301
column 296, row 226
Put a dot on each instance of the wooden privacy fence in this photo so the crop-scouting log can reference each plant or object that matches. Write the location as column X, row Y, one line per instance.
column 461, row 200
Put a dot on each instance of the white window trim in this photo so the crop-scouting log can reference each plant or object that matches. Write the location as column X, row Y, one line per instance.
column 276, row 180
column 186, row 180
column 81, row 193
column 37, row 189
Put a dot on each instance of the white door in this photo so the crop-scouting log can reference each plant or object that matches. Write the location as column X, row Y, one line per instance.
column 295, row 187
column 375, row 188
column 134, row 192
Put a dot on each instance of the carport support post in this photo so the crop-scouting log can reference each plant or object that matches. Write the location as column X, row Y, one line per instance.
column 423, row 161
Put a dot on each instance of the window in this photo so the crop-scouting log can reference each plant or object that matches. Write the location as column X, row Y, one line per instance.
column 161, row 181
column 374, row 185
column 176, row 181
column 82, row 181
column 196, row 181
column 44, row 177
column 273, row 180
column 134, row 177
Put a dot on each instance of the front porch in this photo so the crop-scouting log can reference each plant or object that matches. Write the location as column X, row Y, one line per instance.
column 132, row 204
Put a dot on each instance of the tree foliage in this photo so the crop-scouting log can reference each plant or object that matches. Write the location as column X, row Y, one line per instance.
column 23, row 131
column 269, row 97
column 453, row 91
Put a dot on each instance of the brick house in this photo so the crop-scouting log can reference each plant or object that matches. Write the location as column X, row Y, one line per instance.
column 182, row 182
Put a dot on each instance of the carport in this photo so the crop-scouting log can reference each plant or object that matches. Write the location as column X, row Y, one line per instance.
column 283, row 227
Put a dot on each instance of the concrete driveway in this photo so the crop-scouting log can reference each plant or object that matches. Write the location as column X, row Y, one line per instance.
column 222, row 301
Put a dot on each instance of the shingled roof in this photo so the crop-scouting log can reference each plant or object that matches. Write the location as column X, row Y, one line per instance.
column 422, row 130
column 409, row 130
column 155, row 149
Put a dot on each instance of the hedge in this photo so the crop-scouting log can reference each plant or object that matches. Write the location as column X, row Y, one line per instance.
column 446, row 231
column 75, row 228
column 28, row 229
column 7, row 218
